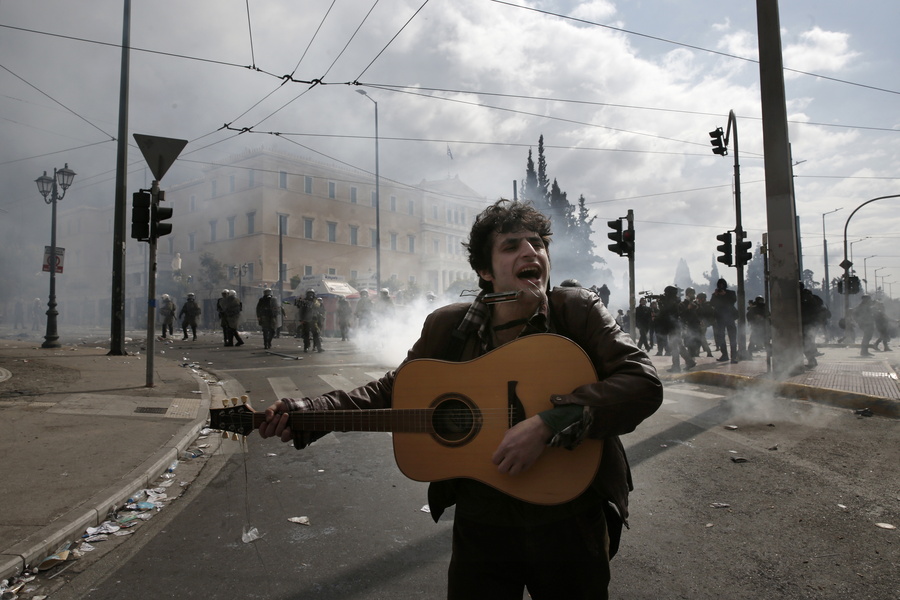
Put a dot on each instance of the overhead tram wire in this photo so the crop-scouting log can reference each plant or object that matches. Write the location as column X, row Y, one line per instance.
column 563, row 120
column 250, row 29
column 377, row 56
column 690, row 46
column 610, row 104
column 42, row 92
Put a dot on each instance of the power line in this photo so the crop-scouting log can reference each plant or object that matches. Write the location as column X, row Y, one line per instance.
column 692, row 47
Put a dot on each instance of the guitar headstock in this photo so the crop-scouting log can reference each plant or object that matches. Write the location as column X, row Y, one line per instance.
column 235, row 417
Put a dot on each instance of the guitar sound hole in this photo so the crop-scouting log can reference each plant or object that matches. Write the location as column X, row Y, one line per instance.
column 455, row 420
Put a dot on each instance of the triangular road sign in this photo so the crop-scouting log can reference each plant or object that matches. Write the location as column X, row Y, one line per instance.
column 159, row 152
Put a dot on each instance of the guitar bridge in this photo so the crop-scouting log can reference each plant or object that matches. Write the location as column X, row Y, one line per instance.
column 514, row 405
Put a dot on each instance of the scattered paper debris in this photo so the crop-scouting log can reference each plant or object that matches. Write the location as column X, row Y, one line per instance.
column 426, row 509
column 719, row 505
column 299, row 520
column 885, row 525
column 739, row 459
column 250, row 535
column 731, row 427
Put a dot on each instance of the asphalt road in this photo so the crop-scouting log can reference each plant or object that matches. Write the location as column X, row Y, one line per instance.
column 736, row 497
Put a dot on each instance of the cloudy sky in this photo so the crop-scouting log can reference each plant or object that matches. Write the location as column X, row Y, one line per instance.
column 624, row 94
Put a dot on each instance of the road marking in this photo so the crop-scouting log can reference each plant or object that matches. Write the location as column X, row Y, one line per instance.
column 337, row 382
column 284, row 387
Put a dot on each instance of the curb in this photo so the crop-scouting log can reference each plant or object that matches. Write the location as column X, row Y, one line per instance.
column 73, row 524
column 883, row 407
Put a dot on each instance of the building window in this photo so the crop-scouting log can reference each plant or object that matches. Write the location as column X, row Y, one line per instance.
column 251, row 222
column 307, row 184
column 251, row 178
column 434, row 211
column 231, row 183
column 332, row 189
column 374, row 237
column 283, row 224
column 230, row 227
column 193, row 203
column 412, row 243
column 393, row 203
column 250, row 266
column 354, row 275
column 354, row 235
column 212, row 189
column 282, row 179
column 374, row 198
column 437, row 246
column 212, row 231
column 307, row 228
column 171, row 245
column 353, row 199
column 307, row 270
column 332, row 231
column 332, row 271
column 191, row 242
column 393, row 241
column 411, row 207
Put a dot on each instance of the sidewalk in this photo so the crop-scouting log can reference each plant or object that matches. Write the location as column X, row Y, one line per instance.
column 842, row 378
column 83, row 433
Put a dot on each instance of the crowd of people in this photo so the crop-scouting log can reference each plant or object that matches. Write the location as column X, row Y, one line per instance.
column 270, row 316
column 676, row 326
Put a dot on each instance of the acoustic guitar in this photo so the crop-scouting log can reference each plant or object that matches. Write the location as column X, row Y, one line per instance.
column 448, row 418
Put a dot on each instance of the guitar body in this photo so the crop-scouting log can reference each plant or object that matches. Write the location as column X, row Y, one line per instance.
column 472, row 405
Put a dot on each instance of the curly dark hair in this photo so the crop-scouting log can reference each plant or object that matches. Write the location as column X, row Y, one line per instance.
column 503, row 216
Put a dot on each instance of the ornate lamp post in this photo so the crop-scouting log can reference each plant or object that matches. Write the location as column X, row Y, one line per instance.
column 49, row 189
column 240, row 270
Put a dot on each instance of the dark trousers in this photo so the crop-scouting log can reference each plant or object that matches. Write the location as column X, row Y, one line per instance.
column 566, row 559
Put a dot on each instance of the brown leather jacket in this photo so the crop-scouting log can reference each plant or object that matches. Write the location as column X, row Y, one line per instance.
column 628, row 390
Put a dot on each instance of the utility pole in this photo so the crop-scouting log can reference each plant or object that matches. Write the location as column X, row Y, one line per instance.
column 117, row 300
column 787, row 341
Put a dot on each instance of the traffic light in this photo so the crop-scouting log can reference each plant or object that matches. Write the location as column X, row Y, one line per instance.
column 717, row 142
column 140, row 216
column 742, row 252
column 158, row 214
column 725, row 248
column 854, row 284
column 628, row 241
column 616, row 236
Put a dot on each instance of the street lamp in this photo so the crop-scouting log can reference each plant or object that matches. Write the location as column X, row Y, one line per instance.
column 851, row 246
column 377, row 199
column 875, row 274
column 825, row 245
column 49, row 186
column 240, row 270
column 847, row 263
column 866, row 271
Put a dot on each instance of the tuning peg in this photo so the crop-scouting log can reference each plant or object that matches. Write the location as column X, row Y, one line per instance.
column 235, row 437
column 224, row 402
column 224, row 435
column 245, row 399
column 234, row 401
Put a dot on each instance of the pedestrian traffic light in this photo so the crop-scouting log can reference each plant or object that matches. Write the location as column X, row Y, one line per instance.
column 854, row 284
column 140, row 216
column 742, row 252
column 717, row 142
column 158, row 214
column 725, row 248
column 616, row 236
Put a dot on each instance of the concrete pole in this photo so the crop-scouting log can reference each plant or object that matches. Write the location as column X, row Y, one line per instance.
column 787, row 340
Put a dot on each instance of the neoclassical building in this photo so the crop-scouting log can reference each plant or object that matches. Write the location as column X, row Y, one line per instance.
column 328, row 226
